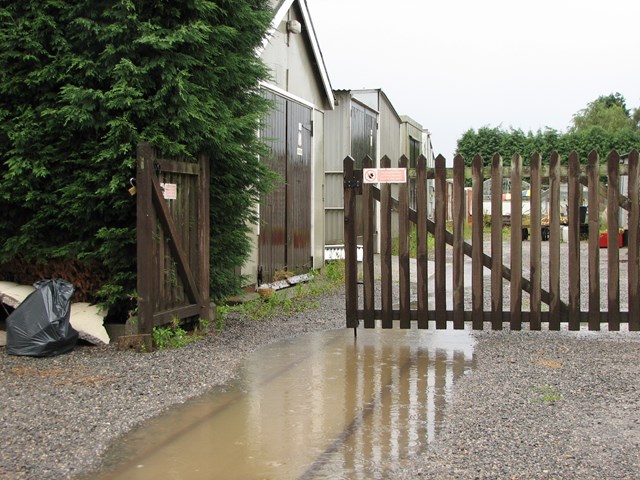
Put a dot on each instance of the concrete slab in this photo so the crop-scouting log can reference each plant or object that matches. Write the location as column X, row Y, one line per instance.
column 13, row 294
column 3, row 338
column 88, row 320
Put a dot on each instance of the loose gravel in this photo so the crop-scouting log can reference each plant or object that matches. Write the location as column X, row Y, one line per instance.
column 537, row 405
column 541, row 405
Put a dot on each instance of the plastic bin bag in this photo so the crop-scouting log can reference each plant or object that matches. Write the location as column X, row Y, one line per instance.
column 40, row 326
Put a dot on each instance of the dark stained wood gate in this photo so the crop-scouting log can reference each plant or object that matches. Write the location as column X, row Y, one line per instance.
column 173, row 238
column 547, row 300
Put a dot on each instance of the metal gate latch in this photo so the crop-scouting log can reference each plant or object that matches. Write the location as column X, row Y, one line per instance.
column 352, row 183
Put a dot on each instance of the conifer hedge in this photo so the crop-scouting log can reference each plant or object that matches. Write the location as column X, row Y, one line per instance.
column 487, row 141
column 81, row 83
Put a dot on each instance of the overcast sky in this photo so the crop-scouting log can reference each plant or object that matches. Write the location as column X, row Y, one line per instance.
column 452, row 65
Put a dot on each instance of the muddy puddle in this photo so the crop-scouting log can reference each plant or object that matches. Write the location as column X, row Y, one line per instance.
column 321, row 406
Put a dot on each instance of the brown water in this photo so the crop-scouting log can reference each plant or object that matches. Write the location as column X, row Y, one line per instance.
column 321, row 406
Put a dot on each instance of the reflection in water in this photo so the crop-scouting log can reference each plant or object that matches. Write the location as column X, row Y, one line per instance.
column 323, row 406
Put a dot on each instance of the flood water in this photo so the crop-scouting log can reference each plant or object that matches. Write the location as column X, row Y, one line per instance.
column 326, row 405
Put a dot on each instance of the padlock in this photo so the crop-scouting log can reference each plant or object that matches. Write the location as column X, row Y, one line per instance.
column 132, row 191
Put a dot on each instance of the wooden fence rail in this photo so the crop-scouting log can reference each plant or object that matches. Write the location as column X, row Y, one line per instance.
column 553, row 299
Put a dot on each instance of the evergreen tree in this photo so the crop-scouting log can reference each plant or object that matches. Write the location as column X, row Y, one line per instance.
column 82, row 81
column 605, row 124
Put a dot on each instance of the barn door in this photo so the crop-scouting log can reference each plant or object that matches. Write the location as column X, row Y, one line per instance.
column 364, row 134
column 285, row 213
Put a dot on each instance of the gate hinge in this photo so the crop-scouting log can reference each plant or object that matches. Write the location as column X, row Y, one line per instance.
column 352, row 183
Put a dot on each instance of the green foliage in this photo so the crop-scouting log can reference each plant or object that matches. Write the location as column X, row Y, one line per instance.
column 610, row 113
column 544, row 142
column 605, row 124
column 221, row 314
column 546, row 394
column 303, row 296
column 334, row 272
column 81, row 83
column 487, row 141
column 413, row 242
column 172, row 336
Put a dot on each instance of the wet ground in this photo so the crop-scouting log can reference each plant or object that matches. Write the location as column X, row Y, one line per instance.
column 326, row 405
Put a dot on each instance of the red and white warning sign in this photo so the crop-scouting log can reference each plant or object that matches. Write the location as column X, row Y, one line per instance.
column 384, row 175
column 169, row 191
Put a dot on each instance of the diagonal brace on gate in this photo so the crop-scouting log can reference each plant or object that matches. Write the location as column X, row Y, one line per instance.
column 487, row 261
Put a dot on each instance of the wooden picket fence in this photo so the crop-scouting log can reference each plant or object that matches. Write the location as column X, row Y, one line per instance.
column 548, row 302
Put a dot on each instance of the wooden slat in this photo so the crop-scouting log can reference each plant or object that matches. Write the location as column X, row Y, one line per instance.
column 594, row 241
column 368, row 270
column 633, row 240
column 145, row 231
column 175, row 166
column 573, row 211
column 175, row 244
column 385, row 252
column 440, row 243
column 613, row 249
column 423, row 275
column 516, row 243
column 183, row 311
column 554, row 241
column 458, row 242
column 350, row 245
column 403, row 253
column 477, row 229
column 535, row 243
column 496, row 243
column 526, row 316
column 204, row 229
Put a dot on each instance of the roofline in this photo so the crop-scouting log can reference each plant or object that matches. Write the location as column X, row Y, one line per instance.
column 279, row 14
column 411, row 121
column 379, row 91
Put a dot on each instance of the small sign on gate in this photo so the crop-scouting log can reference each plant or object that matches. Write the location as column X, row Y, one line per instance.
column 384, row 175
column 169, row 191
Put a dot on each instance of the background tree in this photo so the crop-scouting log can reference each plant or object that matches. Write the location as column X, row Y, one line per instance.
column 608, row 112
column 605, row 124
column 81, row 82
column 489, row 141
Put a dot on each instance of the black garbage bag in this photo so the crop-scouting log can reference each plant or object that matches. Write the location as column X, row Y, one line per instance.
column 40, row 326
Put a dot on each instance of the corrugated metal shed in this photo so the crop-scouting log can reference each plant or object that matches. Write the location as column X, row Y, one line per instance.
column 291, row 230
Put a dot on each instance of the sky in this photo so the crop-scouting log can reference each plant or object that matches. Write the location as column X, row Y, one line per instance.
column 455, row 65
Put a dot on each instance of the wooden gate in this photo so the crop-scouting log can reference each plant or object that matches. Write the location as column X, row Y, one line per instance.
column 548, row 300
column 173, row 239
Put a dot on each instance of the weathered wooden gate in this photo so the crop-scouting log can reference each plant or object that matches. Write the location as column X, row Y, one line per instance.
column 547, row 300
column 173, row 239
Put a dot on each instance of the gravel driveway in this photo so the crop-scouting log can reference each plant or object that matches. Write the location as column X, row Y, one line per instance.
column 537, row 404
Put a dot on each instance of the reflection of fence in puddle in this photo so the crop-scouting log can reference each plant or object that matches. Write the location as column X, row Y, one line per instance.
column 376, row 400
